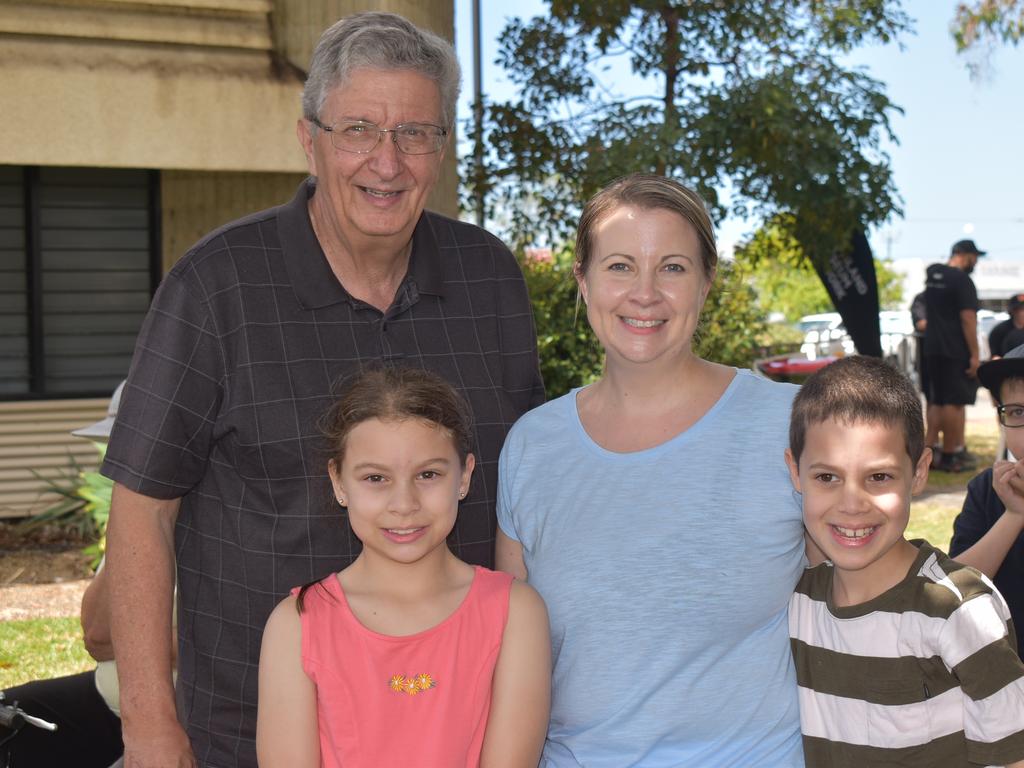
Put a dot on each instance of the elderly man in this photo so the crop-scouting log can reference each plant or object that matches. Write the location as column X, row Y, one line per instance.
column 216, row 452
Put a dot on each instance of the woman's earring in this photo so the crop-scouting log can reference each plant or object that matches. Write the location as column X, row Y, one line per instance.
column 341, row 500
column 462, row 494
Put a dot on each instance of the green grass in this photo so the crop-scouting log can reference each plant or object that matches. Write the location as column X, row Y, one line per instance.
column 41, row 648
column 932, row 521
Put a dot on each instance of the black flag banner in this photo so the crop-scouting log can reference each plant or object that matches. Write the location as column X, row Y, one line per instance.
column 849, row 278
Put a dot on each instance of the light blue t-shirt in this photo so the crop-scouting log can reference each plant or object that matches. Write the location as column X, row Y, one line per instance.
column 667, row 574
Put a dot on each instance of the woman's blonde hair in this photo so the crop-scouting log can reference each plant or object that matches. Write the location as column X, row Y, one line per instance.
column 648, row 192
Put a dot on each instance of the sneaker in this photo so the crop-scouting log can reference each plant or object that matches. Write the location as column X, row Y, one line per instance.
column 952, row 462
column 968, row 459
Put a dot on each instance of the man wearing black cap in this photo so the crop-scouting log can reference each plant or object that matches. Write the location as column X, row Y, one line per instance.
column 1009, row 334
column 951, row 351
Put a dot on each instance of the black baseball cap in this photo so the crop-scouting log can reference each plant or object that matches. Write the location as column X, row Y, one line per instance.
column 967, row 246
column 994, row 372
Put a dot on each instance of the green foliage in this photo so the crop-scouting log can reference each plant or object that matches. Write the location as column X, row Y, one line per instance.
column 751, row 97
column 84, row 505
column 733, row 327
column 39, row 649
column 784, row 278
column 569, row 354
column 988, row 21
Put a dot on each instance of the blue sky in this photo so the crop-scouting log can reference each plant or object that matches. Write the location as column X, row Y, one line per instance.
column 959, row 166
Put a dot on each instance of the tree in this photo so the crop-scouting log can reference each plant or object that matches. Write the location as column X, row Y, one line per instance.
column 988, row 21
column 750, row 97
column 570, row 355
column 784, row 280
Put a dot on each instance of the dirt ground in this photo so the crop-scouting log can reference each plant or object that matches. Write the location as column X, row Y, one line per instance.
column 41, row 555
column 42, row 572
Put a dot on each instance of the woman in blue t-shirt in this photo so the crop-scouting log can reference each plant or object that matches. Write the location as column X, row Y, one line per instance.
column 652, row 510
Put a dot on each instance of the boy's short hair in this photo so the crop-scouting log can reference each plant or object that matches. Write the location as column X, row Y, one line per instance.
column 858, row 389
column 1009, row 367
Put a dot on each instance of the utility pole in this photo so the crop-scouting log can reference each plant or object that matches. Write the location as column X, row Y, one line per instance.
column 478, row 118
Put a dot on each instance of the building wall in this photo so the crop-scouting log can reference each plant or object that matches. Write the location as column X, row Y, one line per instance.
column 36, row 448
column 189, row 85
column 185, row 84
column 206, row 92
column 193, row 203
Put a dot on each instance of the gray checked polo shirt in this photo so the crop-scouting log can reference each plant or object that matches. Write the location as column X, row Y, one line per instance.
column 245, row 342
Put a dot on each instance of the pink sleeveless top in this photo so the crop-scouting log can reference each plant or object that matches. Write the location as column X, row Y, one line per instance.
column 422, row 699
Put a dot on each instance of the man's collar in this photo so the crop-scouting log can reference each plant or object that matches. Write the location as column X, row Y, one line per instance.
column 311, row 276
column 425, row 264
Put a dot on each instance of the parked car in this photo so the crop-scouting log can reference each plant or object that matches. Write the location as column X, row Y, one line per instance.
column 987, row 320
column 824, row 336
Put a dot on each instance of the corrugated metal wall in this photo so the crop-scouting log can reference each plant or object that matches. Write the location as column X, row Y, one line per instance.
column 38, row 435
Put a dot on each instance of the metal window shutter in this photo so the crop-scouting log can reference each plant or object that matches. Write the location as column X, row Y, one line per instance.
column 95, row 242
column 14, row 367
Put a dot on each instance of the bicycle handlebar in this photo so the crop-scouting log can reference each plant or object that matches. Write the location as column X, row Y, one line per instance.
column 13, row 717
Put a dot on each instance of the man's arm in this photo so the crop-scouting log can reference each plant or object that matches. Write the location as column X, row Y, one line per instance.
column 96, row 617
column 969, row 325
column 140, row 565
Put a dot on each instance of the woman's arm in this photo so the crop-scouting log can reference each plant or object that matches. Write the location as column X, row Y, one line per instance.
column 521, row 693
column 508, row 556
column 287, row 735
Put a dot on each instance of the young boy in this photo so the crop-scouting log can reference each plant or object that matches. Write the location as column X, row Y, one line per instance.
column 983, row 536
column 903, row 656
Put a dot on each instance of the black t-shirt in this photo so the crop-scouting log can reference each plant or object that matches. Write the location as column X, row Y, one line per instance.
column 948, row 291
column 982, row 507
column 1004, row 337
column 918, row 312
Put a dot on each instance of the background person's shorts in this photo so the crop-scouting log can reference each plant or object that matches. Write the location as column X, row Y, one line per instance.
column 947, row 382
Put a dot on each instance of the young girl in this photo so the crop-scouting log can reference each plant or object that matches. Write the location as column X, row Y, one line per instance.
column 408, row 657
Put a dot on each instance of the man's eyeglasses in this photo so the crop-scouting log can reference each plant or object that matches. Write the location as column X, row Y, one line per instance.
column 1011, row 414
column 361, row 137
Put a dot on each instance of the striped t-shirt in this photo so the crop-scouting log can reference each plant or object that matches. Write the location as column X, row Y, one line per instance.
column 926, row 674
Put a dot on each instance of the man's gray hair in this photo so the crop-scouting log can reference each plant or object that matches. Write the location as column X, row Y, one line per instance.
column 380, row 41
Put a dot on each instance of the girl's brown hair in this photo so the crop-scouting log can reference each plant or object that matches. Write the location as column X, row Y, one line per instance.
column 396, row 394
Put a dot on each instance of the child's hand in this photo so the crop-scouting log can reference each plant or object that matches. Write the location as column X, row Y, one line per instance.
column 1008, row 482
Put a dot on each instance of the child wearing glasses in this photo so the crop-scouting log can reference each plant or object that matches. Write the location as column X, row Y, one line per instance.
column 903, row 656
column 987, row 534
